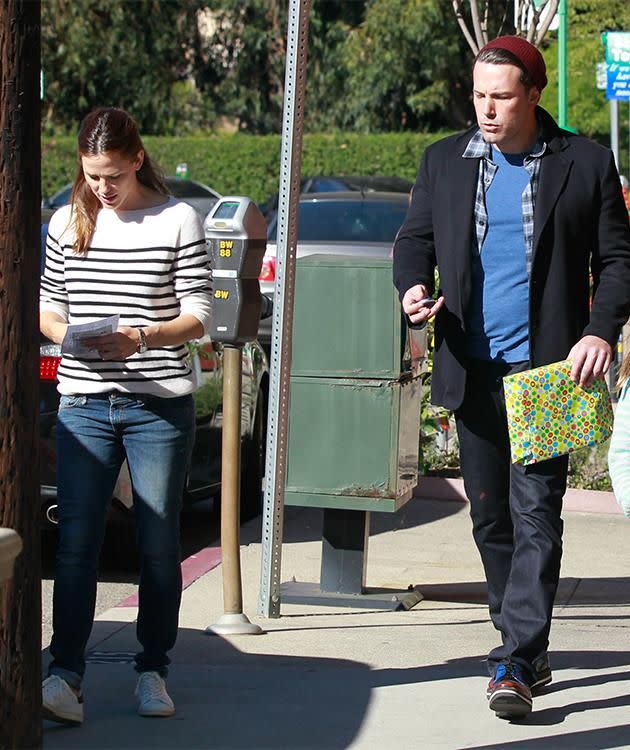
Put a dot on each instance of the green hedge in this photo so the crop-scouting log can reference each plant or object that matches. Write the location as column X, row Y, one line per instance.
column 250, row 165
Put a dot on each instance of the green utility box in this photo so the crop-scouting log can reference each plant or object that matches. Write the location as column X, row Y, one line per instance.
column 347, row 320
column 353, row 443
column 355, row 388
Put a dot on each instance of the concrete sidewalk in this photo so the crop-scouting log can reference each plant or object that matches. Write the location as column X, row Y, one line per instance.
column 338, row 678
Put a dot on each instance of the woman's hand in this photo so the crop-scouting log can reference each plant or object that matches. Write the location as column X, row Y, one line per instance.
column 116, row 346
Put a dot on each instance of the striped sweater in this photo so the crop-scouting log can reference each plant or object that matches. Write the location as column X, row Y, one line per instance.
column 619, row 451
column 148, row 266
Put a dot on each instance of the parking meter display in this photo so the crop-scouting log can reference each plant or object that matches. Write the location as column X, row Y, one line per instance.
column 236, row 233
column 225, row 210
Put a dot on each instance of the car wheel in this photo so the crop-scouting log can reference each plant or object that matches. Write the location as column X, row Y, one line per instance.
column 253, row 464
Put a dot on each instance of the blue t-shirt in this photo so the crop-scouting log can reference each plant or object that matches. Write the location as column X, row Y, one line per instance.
column 498, row 317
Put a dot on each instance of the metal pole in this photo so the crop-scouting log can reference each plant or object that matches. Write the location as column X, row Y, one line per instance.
column 562, row 63
column 614, row 129
column 289, row 195
column 233, row 621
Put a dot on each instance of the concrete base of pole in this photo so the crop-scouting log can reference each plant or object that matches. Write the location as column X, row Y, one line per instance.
column 235, row 624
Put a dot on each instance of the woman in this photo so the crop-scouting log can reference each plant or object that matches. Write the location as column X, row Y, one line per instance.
column 122, row 247
column 619, row 450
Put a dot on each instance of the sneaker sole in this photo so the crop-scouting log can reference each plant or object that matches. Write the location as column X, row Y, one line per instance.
column 507, row 705
column 69, row 720
column 162, row 713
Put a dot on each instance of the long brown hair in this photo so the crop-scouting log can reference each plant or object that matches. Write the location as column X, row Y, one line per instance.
column 624, row 372
column 106, row 129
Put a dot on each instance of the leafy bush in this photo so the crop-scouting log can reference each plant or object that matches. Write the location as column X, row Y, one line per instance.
column 250, row 165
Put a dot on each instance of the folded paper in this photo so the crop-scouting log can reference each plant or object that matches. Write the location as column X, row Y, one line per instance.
column 550, row 415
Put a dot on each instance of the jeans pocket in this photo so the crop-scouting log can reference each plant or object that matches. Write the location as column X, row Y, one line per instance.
column 67, row 402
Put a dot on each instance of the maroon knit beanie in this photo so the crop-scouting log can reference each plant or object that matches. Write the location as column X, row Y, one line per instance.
column 529, row 56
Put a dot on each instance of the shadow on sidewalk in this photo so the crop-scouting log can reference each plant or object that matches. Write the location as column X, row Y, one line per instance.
column 588, row 739
column 230, row 699
column 610, row 591
column 225, row 698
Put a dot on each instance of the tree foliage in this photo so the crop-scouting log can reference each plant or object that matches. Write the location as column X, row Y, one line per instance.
column 191, row 66
column 128, row 54
column 240, row 61
column 407, row 68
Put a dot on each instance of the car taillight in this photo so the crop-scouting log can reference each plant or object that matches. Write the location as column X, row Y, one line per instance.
column 268, row 270
column 48, row 367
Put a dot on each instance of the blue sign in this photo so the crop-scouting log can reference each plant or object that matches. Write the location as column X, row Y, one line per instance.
column 617, row 64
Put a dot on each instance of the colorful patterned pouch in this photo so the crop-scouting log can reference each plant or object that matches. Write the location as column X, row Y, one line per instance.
column 549, row 415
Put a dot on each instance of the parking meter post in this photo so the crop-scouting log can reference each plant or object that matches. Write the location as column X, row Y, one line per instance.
column 236, row 232
column 233, row 621
column 230, row 481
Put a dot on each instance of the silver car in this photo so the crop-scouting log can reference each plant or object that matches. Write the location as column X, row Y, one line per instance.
column 338, row 223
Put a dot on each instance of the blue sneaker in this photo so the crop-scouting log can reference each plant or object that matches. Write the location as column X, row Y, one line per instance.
column 508, row 693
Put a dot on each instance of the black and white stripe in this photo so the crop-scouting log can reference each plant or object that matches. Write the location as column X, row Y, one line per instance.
column 146, row 266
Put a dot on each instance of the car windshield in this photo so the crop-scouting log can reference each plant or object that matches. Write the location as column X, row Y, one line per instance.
column 347, row 221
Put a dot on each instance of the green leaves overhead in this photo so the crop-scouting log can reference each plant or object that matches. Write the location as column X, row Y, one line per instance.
column 198, row 66
column 127, row 54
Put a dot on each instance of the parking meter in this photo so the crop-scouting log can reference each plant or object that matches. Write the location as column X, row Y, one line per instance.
column 236, row 232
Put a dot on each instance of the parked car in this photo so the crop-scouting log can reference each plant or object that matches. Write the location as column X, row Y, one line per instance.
column 337, row 183
column 339, row 223
column 201, row 197
column 204, row 479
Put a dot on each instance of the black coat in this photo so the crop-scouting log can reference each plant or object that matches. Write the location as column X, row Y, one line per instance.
column 580, row 225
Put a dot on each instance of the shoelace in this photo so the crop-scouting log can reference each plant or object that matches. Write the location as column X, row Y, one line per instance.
column 56, row 689
column 510, row 671
column 151, row 688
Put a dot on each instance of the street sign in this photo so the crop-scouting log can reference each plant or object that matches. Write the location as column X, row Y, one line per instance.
column 617, row 64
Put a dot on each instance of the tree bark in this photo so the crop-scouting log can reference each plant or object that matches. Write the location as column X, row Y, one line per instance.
column 20, row 598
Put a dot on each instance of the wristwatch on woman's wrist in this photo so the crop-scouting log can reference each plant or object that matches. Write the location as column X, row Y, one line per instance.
column 142, row 342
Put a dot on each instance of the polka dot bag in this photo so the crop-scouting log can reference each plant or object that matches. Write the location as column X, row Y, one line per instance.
column 549, row 415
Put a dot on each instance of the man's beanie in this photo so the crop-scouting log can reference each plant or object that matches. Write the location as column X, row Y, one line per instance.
column 528, row 55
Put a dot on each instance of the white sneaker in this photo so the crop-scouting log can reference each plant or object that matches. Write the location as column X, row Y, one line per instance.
column 153, row 700
column 60, row 702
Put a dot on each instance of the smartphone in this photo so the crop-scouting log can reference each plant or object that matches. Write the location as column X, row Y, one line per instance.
column 427, row 302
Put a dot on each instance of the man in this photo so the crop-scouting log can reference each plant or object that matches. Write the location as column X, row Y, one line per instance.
column 514, row 213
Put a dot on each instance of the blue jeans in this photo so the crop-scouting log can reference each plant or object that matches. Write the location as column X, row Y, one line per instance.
column 94, row 436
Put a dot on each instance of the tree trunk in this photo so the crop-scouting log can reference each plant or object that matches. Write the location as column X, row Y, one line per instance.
column 20, row 598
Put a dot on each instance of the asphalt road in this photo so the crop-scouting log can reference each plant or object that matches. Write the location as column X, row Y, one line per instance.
column 118, row 571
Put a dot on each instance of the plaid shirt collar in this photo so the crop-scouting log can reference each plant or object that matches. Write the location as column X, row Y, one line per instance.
column 477, row 148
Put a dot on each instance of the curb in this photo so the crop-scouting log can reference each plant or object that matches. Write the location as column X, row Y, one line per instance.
column 575, row 500
column 193, row 567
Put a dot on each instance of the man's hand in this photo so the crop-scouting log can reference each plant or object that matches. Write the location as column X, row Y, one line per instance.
column 591, row 358
column 417, row 312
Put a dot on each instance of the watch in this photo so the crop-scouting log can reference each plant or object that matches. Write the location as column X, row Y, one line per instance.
column 142, row 342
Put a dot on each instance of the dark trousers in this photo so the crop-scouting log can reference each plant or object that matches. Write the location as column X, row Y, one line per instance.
column 515, row 512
